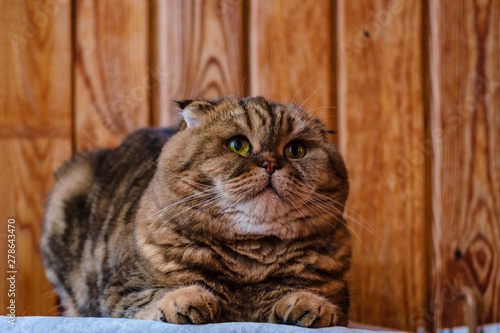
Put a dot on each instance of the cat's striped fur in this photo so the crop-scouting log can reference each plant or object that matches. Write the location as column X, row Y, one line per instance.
column 176, row 227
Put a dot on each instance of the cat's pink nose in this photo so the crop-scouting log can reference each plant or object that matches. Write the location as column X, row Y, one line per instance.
column 270, row 166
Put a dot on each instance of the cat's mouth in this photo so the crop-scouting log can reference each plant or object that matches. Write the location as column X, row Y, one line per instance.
column 269, row 189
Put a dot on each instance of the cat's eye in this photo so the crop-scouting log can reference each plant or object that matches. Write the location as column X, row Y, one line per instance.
column 295, row 150
column 238, row 145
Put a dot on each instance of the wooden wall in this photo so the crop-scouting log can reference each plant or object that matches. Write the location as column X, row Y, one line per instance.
column 35, row 135
column 465, row 125
column 111, row 83
column 412, row 87
column 382, row 126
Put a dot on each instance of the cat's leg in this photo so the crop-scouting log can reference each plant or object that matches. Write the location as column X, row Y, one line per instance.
column 306, row 309
column 184, row 305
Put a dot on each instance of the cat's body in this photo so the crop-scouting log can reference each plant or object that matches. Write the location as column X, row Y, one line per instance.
column 226, row 220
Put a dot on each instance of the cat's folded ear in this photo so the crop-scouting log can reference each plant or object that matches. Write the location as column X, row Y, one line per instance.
column 195, row 113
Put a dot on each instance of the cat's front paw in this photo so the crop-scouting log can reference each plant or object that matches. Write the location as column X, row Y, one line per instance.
column 304, row 309
column 188, row 305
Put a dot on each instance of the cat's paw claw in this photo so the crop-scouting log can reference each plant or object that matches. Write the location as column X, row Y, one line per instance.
column 188, row 305
column 305, row 309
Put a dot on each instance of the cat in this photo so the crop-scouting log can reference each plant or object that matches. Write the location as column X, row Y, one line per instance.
column 235, row 216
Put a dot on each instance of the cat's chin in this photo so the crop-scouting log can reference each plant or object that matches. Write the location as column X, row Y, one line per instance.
column 269, row 193
column 265, row 206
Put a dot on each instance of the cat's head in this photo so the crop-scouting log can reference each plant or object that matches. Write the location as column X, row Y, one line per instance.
column 251, row 167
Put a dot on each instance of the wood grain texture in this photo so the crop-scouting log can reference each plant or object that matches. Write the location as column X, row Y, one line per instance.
column 35, row 135
column 111, row 71
column 197, row 53
column 382, row 138
column 26, row 180
column 33, row 77
column 291, row 57
column 465, row 63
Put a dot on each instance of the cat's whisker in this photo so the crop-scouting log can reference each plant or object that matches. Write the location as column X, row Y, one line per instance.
column 225, row 199
column 314, row 92
column 323, row 107
column 214, row 201
column 222, row 197
column 337, row 217
column 327, row 198
column 306, row 204
column 164, row 209
column 296, row 94
column 217, row 199
column 325, row 207
column 296, row 208
column 204, row 204
column 181, row 177
column 245, row 78
column 198, row 195
column 347, row 214
column 348, row 227
column 175, row 215
column 338, row 220
column 234, row 204
column 332, row 204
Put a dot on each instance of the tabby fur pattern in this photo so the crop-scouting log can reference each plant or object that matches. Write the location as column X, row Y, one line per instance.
column 175, row 226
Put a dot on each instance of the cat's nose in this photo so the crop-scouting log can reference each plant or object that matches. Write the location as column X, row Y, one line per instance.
column 270, row 166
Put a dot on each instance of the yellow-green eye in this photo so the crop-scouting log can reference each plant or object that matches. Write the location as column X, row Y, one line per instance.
column 295, row 150
column 238, row 145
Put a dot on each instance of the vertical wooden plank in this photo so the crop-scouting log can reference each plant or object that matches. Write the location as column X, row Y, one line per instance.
column 197, row 52
column 382, row 138
column 465, row 63
column 291, row 58
column 30, row 35
column 111, row 71
column 35, row 135
column 27, row 178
